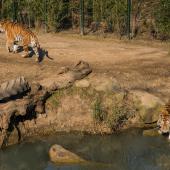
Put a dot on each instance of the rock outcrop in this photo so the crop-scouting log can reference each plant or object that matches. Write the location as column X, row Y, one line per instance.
column 13, row 88
column 21, row 100
column 96, row 104
column 149, row 106
column 151, row 132
column 60, row 155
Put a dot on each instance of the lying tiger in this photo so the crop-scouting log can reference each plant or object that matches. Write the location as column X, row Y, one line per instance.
column 17, row 33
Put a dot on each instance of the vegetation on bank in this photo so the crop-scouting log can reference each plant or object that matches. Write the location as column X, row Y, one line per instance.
column 149, row 17
column 112, row 109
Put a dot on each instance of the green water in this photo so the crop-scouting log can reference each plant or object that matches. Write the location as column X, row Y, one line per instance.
column 124, row 151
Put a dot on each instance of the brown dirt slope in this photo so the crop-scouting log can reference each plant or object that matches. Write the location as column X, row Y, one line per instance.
column 143, row 66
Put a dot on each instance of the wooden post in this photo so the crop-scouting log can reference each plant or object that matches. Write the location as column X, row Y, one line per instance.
column 45, row 14
column 129, row 6
column 1, row 9
column 82, row 17
column 15, row 6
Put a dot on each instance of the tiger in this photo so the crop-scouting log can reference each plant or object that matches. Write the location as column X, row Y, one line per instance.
column 17, row 33
column 164, row 120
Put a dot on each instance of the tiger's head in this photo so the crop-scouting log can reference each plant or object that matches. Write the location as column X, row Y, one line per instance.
column 3, row 25
column 164, row 122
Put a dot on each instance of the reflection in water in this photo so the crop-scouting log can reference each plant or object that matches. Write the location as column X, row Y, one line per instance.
column 124, row 151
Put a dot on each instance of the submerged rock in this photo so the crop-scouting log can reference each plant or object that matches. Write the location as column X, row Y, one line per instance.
column 59, row 155
column 151, row 132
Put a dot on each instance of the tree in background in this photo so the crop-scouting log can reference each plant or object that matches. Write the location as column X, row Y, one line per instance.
column 149, row 17
column 113, row 12
column 7, row 9
column 162, row 17
column 58, row 14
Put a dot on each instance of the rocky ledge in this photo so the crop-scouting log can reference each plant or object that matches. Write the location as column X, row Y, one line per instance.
column 71, row 101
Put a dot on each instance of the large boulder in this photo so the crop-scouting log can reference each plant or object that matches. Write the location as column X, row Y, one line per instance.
column 59, row 155
column 82, row 83
column 102, row 83
column 149, row 106
column 147, row 100
column 21, row 100
column 13, row 88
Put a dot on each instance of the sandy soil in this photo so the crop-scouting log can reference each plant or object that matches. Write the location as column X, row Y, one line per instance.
column 143, row 66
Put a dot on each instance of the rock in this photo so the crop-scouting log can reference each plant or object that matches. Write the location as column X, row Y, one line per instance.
column 105, row 84
column 148, row 104
column 63, row 70
column 13, row 87
column 21, row 100
column 162, row 161
column 82, row 83
column 151, row 132
column 59, row 155
column 147, row 100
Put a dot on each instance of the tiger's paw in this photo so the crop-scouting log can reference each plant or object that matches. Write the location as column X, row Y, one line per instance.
column 159, row 131
column 25, row 55
column 15, row 52
column 169, row 137
column 15, row 48
column 37, row 60
column 9, row 50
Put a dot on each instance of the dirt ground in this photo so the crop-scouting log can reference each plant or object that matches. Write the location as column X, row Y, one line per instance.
column 135, row 65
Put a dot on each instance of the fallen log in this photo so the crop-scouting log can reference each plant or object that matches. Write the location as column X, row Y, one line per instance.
column 67, row 77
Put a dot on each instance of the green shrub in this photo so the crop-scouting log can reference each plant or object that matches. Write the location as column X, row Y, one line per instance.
column 99, row 113
column 162, row 16
column 121, row 111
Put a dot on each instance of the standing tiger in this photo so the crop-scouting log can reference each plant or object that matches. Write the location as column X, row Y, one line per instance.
column 17, row 33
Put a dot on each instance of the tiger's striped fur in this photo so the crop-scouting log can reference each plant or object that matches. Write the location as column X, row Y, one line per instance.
column 17, row 33
column 164, row 120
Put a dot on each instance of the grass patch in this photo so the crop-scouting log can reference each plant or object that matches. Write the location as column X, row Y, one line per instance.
column 54, row 100
column 84, row 93
column 112, row 109
column 99, row 112
column 121, row 111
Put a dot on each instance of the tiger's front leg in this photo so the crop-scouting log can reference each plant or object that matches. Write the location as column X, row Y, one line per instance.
column 25, row 48
column 36, row 50
column 8, row 45
column 26, row 51
column 15, row 47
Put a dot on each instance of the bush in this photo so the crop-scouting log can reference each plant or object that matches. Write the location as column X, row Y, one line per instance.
column 122, row 110
column 99, row 112
column 162, row 16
